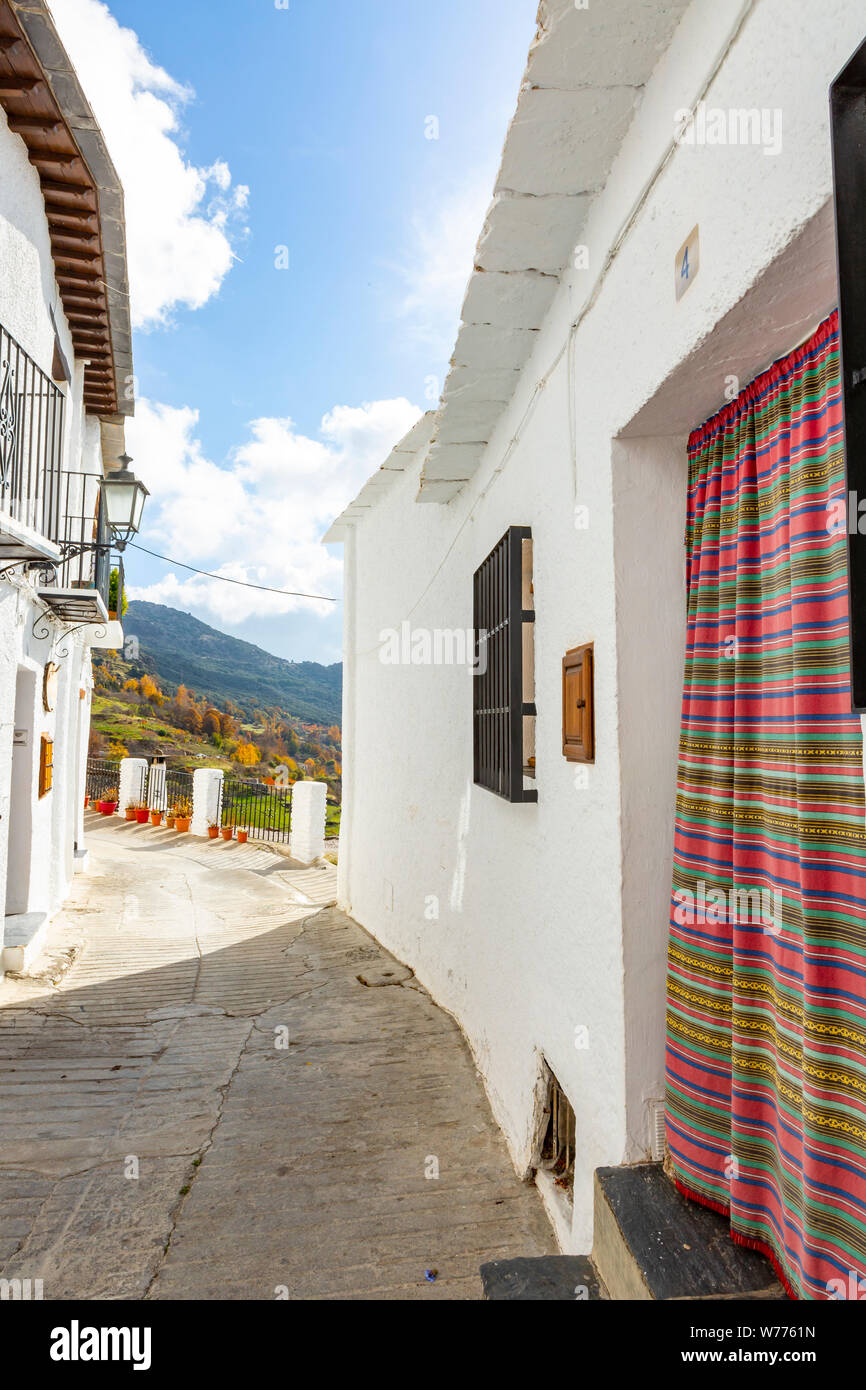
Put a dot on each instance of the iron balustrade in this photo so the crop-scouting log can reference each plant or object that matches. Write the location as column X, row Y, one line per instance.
column 102, row 776
column 332, row 822
column 178, row 787
column 31, row 441
column 83, row 531
column 264, row 812
column 36, row 493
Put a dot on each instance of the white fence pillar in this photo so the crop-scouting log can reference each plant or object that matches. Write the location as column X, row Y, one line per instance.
column 309, row 801
column 133, row 772
column 206, row 787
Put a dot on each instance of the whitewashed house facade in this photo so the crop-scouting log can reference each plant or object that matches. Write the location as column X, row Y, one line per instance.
column 579, row 371
column 65, row 390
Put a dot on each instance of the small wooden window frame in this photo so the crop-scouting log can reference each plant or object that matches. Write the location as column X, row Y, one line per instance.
column 46, row 765
column 578, row 723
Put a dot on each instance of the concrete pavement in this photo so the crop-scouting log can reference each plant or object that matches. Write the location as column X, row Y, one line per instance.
column 234, row 1093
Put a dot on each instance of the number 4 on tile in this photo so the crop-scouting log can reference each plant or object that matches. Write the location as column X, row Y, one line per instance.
column 688, row 262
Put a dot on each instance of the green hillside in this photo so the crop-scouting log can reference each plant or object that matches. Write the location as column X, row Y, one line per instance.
column 185, row 651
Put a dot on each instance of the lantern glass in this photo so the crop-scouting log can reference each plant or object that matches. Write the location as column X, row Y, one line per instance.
column 124, row 501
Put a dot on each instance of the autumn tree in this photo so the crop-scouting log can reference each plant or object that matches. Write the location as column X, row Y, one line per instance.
column 150, row 690
column 212, row 721
column 247, row 754
column 192, row 720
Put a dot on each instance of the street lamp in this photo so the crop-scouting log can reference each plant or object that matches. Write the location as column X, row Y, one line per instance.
column 124, row 502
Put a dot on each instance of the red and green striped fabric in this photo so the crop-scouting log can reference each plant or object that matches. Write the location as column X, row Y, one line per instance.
column 766, row 1041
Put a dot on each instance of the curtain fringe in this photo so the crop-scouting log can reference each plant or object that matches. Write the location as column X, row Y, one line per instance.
column 748, row 1242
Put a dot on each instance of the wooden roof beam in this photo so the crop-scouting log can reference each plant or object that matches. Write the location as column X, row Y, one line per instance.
column 69, row 188
column 50, row 156
column 74, row 235
column 43, row 123
column 75, row 261
column 64, row 215
column 75, row 251
column 85, row 299
column 10, row 86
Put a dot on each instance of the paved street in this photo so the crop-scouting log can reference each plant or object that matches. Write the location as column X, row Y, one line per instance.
column 211, row 1104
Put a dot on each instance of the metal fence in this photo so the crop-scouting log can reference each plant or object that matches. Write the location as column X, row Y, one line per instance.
column 178, row 786
column 265, row 812
column 84, row 522
column 31, row 440
column 102, row 776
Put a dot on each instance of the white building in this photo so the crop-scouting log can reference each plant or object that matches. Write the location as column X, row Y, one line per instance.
column 578, row 373
column 65, row 389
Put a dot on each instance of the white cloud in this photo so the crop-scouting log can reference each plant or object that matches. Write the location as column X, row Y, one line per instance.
column 437, row 267
column 262, row 517
column 180, row 219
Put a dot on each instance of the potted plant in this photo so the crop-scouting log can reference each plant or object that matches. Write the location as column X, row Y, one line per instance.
column 227, row 832
column 130, row 811
column 170, row 818
column 155, row 816
column 213, row 829
column 108, row 802
column 183, row 816
column 86, row 801
column 142, row 814
column 242, row 837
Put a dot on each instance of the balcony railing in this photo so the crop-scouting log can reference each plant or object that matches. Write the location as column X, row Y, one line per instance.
column 50, row 518
column 75, row 586
column 31, row 450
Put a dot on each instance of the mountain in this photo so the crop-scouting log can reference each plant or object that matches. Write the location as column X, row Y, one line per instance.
column 184, row 651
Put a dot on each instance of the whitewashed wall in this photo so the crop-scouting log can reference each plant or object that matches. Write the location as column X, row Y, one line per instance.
column 50, row 829
column 553, row 917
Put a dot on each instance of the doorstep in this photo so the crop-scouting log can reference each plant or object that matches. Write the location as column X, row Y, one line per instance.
column 557, row 1278
column 23, row 938
column 652, row 1243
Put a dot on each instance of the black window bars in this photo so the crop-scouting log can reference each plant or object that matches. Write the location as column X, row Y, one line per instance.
column 500, row 709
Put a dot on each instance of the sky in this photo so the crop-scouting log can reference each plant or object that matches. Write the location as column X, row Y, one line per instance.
column 305, row 185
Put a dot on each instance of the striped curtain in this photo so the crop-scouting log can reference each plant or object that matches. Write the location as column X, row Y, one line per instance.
column 766, row 1036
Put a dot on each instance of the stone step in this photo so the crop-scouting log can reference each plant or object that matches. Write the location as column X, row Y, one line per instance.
column 562, row 1278
column 652, row 1243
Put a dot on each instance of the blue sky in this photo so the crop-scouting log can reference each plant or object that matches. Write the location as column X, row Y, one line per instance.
column 321, row 113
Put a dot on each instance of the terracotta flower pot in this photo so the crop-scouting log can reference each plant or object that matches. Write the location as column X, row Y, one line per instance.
column 169, row 822
column 142, row 816
column 107, row 808
column 156, row 817
column 212, row 832
column 86, row 802
column 130, row 813
column 242, row 837
column 227, row 832
column 182, row 824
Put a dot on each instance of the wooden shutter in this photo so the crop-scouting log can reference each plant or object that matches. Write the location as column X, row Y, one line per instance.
column 46, row 765
column 578, row 713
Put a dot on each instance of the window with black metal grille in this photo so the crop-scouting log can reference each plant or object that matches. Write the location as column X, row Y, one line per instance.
column 503, row 678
